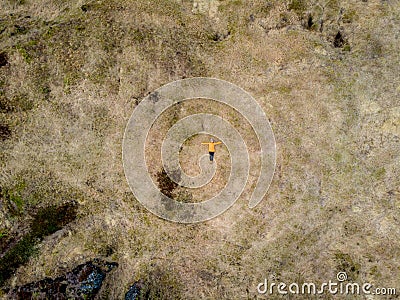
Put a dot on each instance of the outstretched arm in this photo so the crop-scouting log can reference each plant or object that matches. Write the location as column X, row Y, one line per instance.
column 204, row 143
column 217, row 143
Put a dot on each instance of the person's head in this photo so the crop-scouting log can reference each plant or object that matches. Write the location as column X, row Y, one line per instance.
column 212, row 140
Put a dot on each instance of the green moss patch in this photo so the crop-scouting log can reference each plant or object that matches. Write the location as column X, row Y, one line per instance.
column 46, row 221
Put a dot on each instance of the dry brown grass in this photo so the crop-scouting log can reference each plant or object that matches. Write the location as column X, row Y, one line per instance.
column 334, row 200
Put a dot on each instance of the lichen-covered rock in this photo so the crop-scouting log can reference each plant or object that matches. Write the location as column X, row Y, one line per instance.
column 83, row 282
column 134, row 291
column 209, row 7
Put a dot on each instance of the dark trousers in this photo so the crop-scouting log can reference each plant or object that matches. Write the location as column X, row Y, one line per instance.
column 211, row 156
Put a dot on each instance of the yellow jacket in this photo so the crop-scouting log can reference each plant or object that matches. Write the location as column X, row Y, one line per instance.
column 211, row 146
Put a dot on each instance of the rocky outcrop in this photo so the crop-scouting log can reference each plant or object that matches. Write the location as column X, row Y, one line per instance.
column 83, row 282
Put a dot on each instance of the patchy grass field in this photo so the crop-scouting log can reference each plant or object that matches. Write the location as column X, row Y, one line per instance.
column 326, row 74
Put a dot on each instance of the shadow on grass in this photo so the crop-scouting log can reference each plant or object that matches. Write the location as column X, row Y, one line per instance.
column 47, row 221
